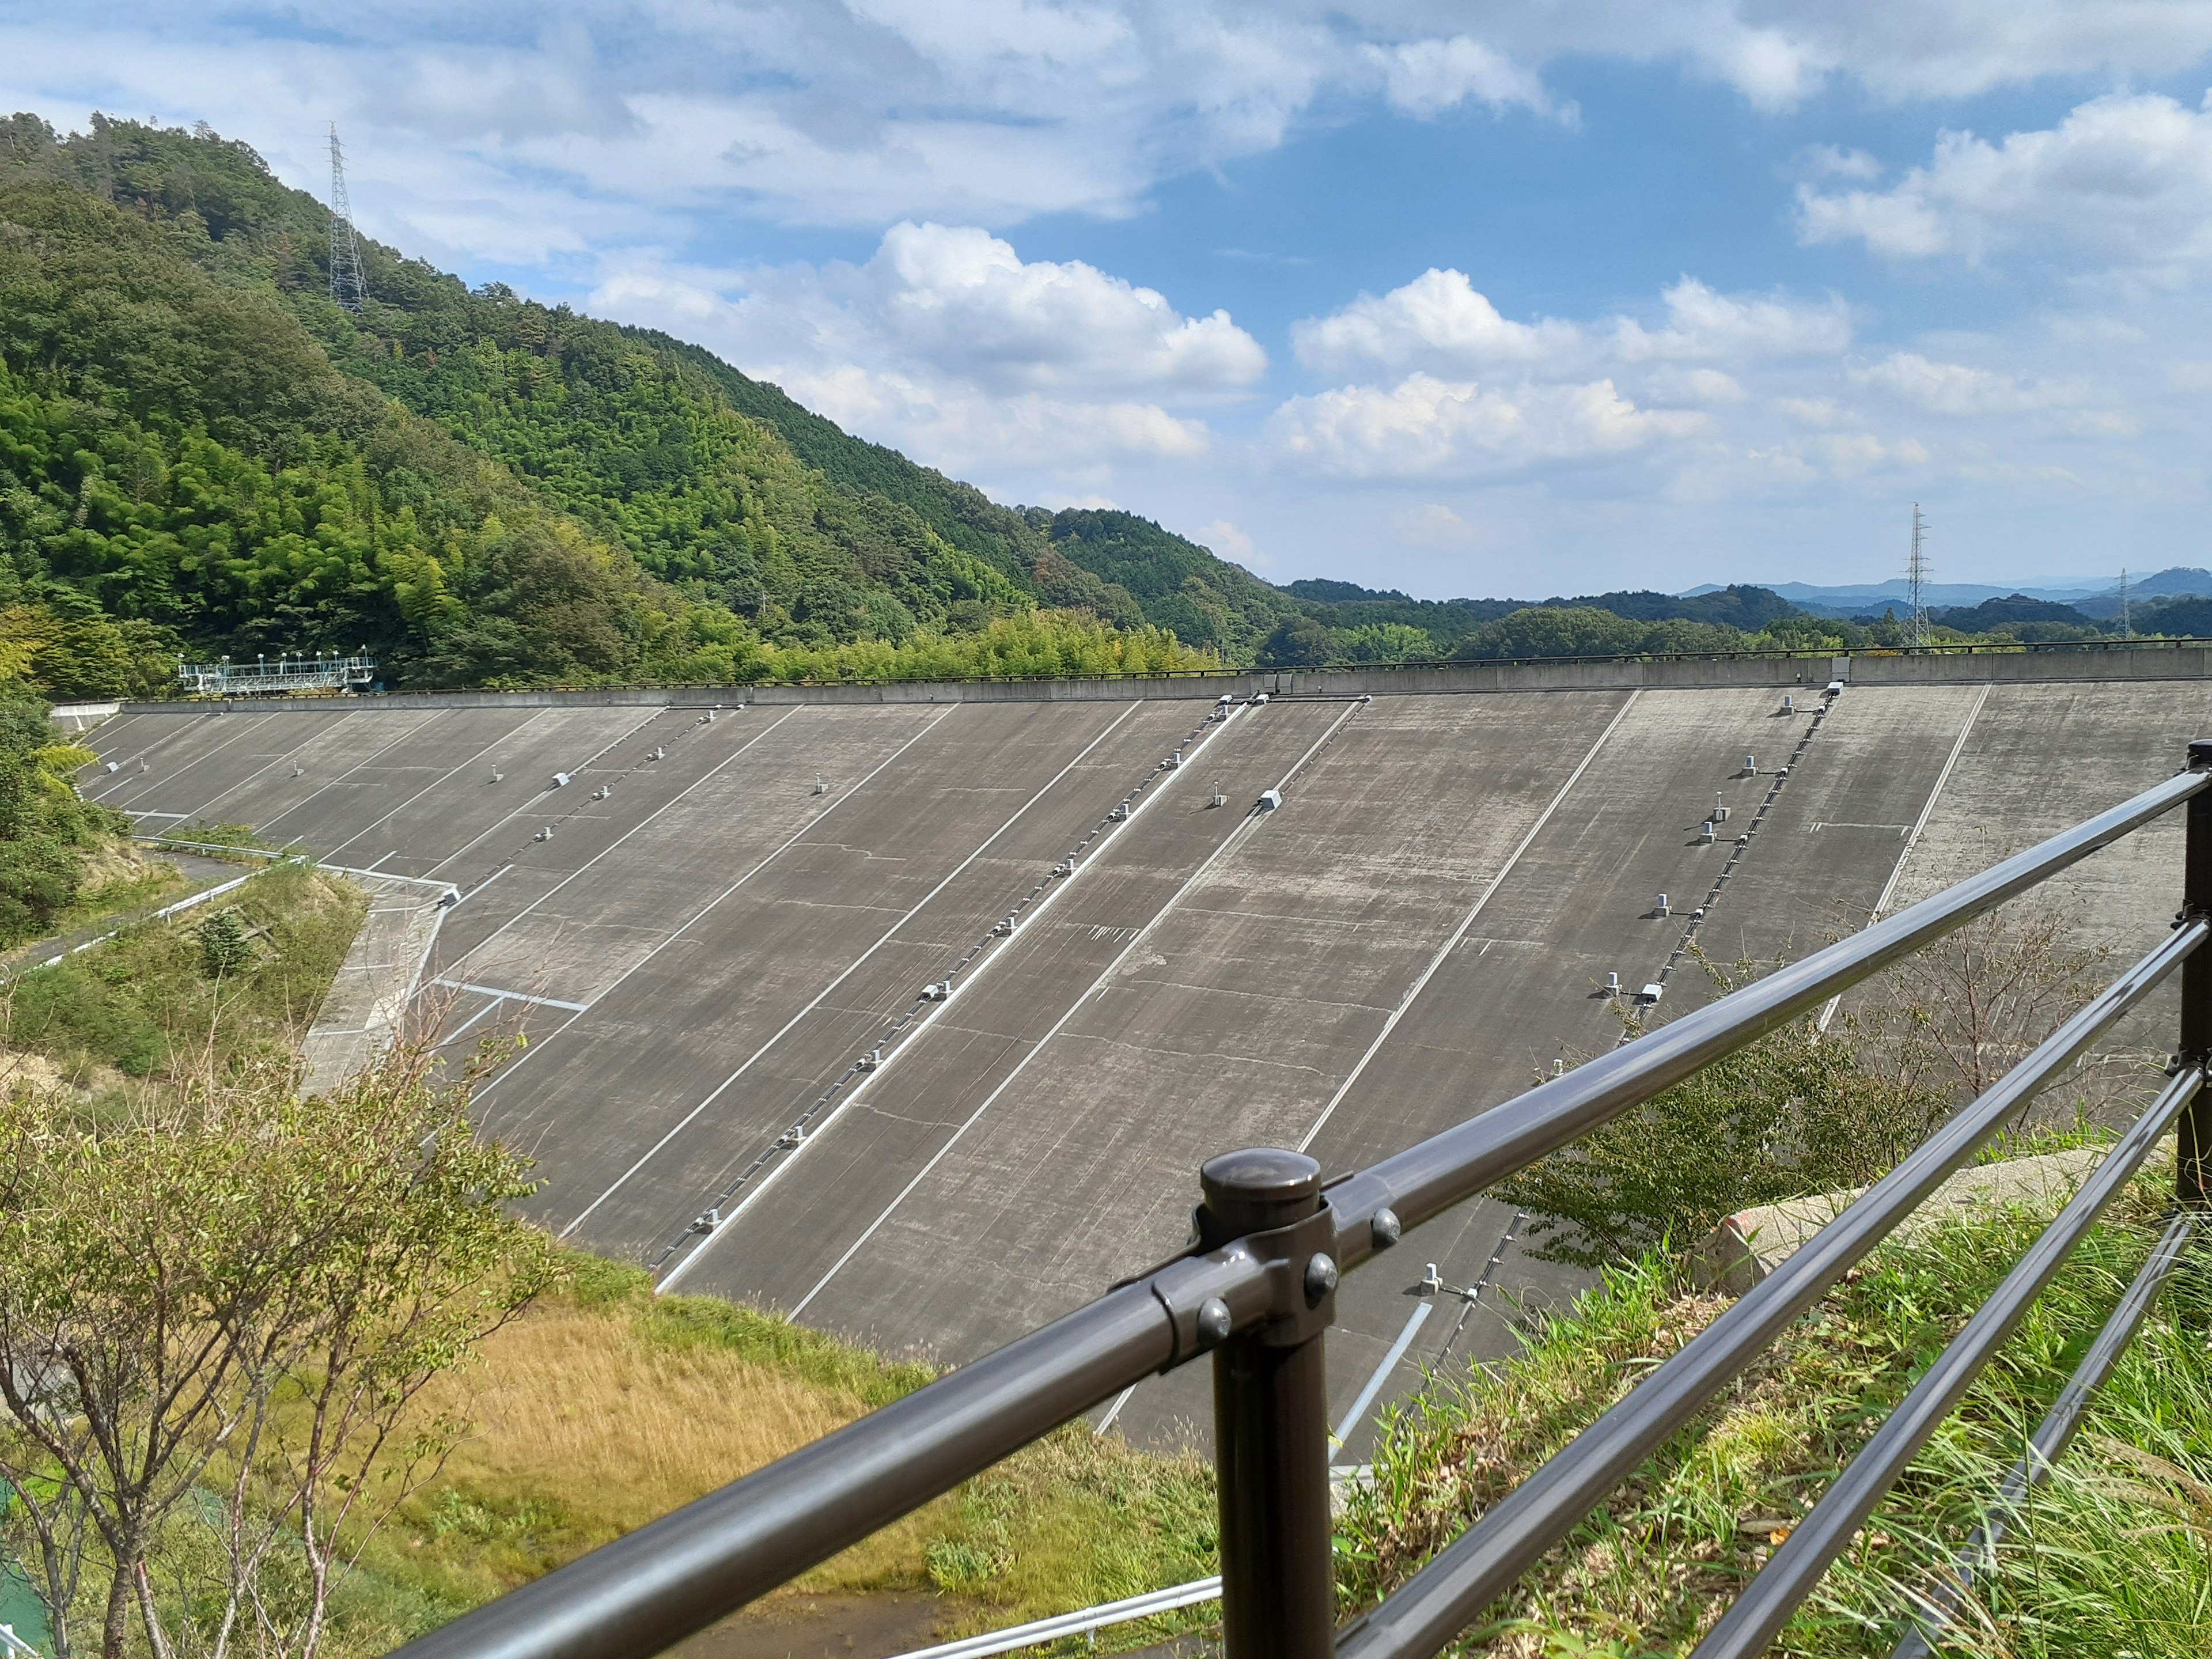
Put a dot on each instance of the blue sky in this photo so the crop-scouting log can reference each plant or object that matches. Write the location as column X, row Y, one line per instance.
column 1460, row 299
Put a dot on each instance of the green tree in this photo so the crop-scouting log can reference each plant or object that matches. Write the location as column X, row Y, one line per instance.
column 230, row 1299
column 46, row 832
column 1555, row 631
column 1295, row 642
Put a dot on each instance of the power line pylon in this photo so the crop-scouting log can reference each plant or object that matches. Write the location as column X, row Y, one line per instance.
column 2127, row 611
column 348, row 287
column 1915, row 578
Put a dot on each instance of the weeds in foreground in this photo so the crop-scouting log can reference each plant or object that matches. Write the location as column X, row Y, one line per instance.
column 2113, row 1559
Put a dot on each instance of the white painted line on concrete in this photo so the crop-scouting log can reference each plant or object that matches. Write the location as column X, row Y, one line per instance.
column 481, row 885
column 245, row 729
column 1234, row 838
column 624, row 735
column 1927, row 810
column 1437, row 961
column 442, row 779
column 641, row 823
column 1913, row 839
column 449, row 1038
column 850, row 969
column 1085, row 1621
column 700, row 914
column 1352, row 1417
column 117, row 782
column 309, row 800
column 509, row 996
column 209, row 805
column 967, row 981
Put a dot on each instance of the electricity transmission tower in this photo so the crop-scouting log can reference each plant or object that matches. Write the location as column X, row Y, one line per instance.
column 1915, row 578
column 2127, row 614
column 347, row 287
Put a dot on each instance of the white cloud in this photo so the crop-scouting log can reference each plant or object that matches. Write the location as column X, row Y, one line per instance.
column 1957, row 389
column 1702, row 324
column 1231, row 544
column 1832, row 162
column 1424, row 426
column 948, row 341
column 1433, row 525
column 1427, row 78
column 1437, row 319
column 986, row 112
column 2122, row 180
column 965, row 298
column 1441, row 323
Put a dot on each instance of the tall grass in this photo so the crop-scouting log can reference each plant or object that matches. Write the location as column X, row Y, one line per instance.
column 2113, row 1559
column 607, row 1408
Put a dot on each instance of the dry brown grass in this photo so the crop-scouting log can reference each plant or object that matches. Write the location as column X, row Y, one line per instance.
column 595, row 1414
column 585, row 1410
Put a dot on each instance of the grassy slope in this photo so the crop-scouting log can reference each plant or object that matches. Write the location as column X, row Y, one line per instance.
column 142, row 1004
column 605, row 1408
column 2114, row 1560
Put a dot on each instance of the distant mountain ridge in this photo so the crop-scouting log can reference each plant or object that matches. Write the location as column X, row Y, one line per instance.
column 2097, row 597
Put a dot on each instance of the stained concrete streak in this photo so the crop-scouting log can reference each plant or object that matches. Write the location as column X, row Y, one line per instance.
column 368, row 1000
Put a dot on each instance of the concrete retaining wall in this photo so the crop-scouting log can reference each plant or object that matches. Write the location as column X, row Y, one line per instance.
column 2189, row 662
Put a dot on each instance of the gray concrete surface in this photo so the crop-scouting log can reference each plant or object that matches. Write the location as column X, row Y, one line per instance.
column 1415, row 937
column 368, row 1000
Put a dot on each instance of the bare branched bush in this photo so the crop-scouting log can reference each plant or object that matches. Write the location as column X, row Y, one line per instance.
column 216, row 1312
column 1814, row 1108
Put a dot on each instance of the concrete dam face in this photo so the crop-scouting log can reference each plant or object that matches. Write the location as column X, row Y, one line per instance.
column 784, row 1043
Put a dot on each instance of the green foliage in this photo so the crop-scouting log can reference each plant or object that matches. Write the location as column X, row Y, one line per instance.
column 146, row 1004
column 2112, row 1557
column 1295, row 642
column 47, row 832
column 244, row 1290
column 1205, row 601
column 224, row 948
column 195, row 444
column 86, row 656
column 1556, row 631
column 1794, row 1113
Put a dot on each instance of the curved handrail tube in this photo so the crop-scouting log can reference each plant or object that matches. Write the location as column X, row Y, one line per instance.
column 1424, row 1613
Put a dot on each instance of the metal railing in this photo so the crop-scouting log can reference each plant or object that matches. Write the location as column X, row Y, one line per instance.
column 1256, row 1293
column 285, row 677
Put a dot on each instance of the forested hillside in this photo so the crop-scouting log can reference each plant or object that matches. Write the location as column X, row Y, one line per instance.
column 203, row 452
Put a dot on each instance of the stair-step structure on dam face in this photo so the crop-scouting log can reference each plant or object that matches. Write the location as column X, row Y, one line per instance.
column 912, row 1012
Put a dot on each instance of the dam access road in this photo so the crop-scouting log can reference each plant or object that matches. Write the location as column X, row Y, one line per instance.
column 784, row 1045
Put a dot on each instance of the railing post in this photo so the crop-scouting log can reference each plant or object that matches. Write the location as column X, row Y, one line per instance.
column 1271, row 1414
column 2193, row 1131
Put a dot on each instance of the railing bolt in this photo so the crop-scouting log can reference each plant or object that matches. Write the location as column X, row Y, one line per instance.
column 1213, row 1320
column 1320, row 1279
column 1386, row 1227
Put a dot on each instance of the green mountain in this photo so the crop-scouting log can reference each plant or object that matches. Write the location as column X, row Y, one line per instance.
column 480, row 488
